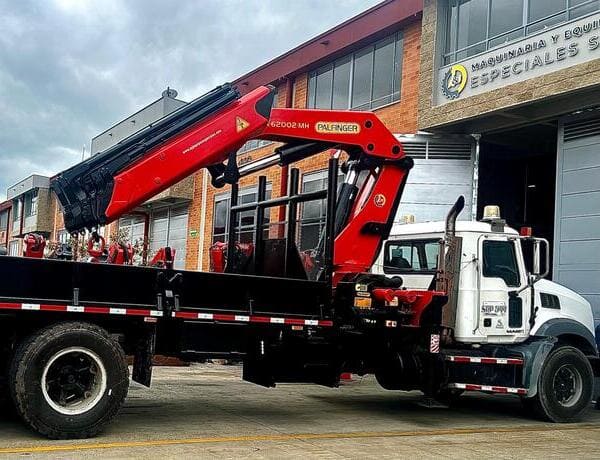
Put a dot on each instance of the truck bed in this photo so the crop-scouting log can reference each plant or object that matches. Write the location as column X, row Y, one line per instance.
column 53, row 282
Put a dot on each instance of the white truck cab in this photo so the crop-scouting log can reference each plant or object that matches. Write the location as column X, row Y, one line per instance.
column 498, row 299
column 500, row 310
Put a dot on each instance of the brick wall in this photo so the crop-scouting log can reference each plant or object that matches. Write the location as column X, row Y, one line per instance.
column 399, row 117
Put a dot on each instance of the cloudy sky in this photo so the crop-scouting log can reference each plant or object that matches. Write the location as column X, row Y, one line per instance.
column 69, row 69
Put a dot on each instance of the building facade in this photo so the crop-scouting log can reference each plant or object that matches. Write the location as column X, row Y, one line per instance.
column 30, row 208
column 523, row 76
column 5, row 225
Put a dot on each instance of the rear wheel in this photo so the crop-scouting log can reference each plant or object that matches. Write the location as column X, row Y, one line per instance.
column 68, row 380
column 565, row 386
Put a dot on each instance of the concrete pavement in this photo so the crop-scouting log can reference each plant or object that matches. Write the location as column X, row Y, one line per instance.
column 207, row 411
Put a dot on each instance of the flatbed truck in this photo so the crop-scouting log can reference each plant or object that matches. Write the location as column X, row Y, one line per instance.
column 479, row 322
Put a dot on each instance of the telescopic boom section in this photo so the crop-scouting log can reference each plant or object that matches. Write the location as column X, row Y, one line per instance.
column 209, row 130
column 104, row 187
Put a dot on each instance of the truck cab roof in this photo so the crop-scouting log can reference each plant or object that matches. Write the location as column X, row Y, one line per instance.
column 438, row 228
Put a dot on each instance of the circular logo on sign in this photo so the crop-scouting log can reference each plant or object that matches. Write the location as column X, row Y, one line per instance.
column 379, row 200
column 454, row 81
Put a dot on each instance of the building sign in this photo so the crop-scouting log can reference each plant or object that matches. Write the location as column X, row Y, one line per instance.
column 564, row 46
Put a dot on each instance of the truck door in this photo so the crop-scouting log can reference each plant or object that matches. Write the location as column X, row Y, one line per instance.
column 503, row 317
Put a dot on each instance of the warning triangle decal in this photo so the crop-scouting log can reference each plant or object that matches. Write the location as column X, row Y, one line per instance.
column 240, row 124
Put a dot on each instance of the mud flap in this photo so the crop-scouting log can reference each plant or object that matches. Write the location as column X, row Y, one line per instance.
column 144, row 352
column 257, row 366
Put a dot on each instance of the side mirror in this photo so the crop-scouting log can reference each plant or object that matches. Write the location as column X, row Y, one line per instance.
column 541, row 248
column 536, row 258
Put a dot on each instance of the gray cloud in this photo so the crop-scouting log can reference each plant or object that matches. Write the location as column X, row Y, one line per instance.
column 69, row 69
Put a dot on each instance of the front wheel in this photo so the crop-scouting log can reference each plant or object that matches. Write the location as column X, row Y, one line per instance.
column 68, row 380
column 565, row 386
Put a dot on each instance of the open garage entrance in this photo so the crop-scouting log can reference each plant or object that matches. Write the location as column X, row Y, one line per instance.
column 517, row 171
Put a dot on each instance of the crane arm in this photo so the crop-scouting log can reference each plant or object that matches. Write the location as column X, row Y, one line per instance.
column 208, row 131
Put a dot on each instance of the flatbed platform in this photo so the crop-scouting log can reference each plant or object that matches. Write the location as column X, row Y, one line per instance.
column 81, row 287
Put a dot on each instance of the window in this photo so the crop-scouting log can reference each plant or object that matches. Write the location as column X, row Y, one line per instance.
column 14, row 248
column 364, row 80
column 31, row 203
column 3, row 221
column 17, row 208
column 474, row 26
column 168, row 227
column 253, row 144
column 312, row 213
column 417, row 256
column 245, row 222
column 500, row 261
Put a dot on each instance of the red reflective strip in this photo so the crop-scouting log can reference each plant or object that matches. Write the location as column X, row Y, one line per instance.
column 254, row 319
column 260, row 319
column 10, row 306
column 179, row 314
column 136, row 312
column 294, row 321
column 484, row 360
column 488, row 388
column 186, row 315
column 222, row 317
column 100, row 310
column 53, row 307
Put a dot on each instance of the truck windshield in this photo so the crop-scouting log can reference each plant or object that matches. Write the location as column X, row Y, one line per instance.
column 411, row 256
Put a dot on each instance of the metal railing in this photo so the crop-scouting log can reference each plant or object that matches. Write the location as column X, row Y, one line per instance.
column 292, row 200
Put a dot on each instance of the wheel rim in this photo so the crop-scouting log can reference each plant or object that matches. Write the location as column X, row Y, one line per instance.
column 74, row 381
column 567, row 385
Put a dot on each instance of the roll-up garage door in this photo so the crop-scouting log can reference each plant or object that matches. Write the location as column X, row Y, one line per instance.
column 169, row 228
column 577, row 225
column 443, row 171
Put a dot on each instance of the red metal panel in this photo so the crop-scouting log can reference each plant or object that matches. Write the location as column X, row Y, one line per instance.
column 206, row 143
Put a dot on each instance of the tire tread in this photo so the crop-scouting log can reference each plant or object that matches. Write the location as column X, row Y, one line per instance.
column 26, row 352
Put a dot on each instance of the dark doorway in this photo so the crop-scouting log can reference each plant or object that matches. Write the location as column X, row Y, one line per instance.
column 517, row 171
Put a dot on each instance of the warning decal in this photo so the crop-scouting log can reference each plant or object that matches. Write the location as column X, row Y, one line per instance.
column 240, row 124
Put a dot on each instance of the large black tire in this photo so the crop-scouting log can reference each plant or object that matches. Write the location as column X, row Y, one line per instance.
column 565, row 387
column 68, row 380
